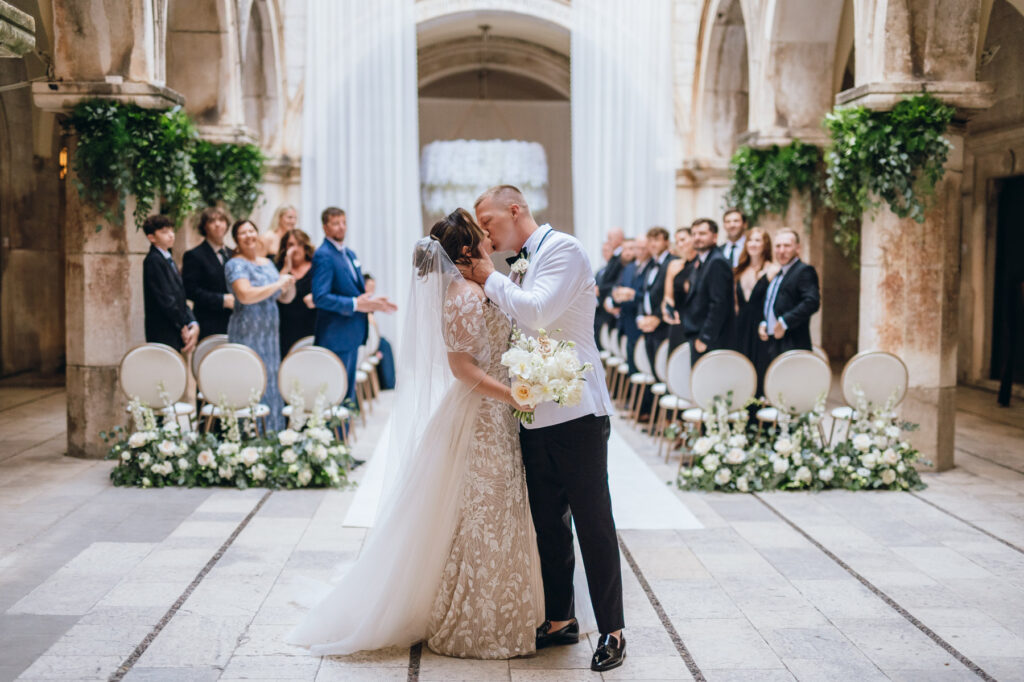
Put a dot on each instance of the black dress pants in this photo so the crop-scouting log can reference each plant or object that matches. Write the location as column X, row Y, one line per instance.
column 567, row 478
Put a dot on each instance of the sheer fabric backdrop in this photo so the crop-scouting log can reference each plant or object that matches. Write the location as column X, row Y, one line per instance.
column 360, row 146
column 622, row 136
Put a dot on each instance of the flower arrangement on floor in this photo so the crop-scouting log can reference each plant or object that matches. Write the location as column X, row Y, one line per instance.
column 306, row 454
column 542, row 370
column 733, row 456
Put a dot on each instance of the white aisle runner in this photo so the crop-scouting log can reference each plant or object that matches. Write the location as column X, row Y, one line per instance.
column 640, row 500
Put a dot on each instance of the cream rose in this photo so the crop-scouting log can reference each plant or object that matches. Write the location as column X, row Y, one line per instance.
column 888, row 477
column 250, row 456
column 206, row 458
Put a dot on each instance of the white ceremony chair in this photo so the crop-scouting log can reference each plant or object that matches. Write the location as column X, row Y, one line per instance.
column 714, row 376
column 794, row 383
column 820, row 352
column 879, row 376
column 678, row 397
column 156, row 375
column 602, row 338
column 623, row 370
column 234, row 376
column 659, row 389
column 367, row 374
column 304, row 342
column 307, row 373
column 612, row 359
column 639, row 381
column 202, row 348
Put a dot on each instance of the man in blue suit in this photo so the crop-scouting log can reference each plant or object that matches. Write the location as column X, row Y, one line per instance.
column 340, row 297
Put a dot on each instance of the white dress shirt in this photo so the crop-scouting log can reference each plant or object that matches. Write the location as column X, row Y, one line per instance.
column 557, row 295
column 732, row 250
column 773, row 292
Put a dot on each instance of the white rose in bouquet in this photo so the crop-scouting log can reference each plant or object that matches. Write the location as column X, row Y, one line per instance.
column 287, row 437
column 780, row 465
column 226, row 472
column 320, row 453
column 742, row 484
column 138, row 439
column 226, row 449
column 144, row 459
column 783, row 446
column 890, row 457
column 167, row 448
column 869, row 460
column 737, row 441
column 183, row 464
column 862, row 442
column 863, row 473
column 146, row 482
column 250, row 456
column 826, row 474
column 844, row 461
column 888, row 476
column 735, row 456
column 722, row 476
column 901, row 467
column 288, row 456
column 892, row 431
column 527, row 395
column 206, row 458
column 710, row 462
column 803, row 474
column 170, row 428
column 703, row 445
column 126, row 456
column 305, row 476
column 797, row 459
column 321, row 434
column 258, row 472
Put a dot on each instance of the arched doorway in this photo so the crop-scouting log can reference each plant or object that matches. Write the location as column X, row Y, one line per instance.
column 508, row 81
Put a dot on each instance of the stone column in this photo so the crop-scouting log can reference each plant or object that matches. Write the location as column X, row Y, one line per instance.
column 910, row 278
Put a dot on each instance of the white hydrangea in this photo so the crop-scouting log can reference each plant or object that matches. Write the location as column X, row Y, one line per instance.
column 735, row 456
column 305, row 476
column 803, row 474
column 138, row 439
column 826, row 474
column 226, row 449
column 320, row 453
column 287, row 437
column 783, row 446
column 258, row 472
column 742, row 484
column 780, row 465
column 737, row 441
column 183, row 464
column 844, row 461
column 288, row 456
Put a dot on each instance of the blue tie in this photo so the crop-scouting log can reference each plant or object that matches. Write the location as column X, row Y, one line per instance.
column 769, row 301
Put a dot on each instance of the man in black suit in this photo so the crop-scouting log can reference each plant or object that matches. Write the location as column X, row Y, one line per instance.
column 708, row 310
column 624, row 294
column 168, row 317
column 606, row 278
column 202, row 270
column 793, row 296
column 652, row 291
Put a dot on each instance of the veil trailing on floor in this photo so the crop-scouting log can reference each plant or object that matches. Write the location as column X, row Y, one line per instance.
column 385, row 598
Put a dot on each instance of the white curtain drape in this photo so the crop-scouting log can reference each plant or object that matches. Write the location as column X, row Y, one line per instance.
column 360, row 148
column 622, row 139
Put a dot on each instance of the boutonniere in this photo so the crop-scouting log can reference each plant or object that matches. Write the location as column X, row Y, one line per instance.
column 521, row 266
column 355, row 262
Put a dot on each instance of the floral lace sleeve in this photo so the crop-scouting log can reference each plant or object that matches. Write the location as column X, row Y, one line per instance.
column 464, row 326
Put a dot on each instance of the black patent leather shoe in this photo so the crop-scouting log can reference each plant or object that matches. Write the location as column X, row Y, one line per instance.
column 611, row 651
column 570, row 634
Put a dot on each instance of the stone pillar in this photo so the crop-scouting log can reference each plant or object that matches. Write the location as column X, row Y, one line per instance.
column 17, row 31
column 910, row 278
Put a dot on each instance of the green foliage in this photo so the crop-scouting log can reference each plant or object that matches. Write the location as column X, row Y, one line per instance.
column 124, row 149
column 892, row 156
column 763, row 180
column 230, row 173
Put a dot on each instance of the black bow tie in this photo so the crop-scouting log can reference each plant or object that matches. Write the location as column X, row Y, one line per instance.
column 522, row 254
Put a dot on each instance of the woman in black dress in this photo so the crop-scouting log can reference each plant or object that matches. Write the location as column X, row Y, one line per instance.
column 298, row 318
column 677, row 286
column 753, row 273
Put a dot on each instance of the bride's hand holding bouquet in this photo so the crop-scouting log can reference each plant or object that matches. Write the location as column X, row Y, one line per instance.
column 543, row 370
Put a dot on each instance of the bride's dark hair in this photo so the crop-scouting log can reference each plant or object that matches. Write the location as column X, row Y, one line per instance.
column 456, row 231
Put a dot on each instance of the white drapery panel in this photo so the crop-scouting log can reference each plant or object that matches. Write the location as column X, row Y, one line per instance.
column 361, row 134
column 622, row 137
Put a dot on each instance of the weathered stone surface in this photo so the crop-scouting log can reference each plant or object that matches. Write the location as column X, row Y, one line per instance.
column 17, row 31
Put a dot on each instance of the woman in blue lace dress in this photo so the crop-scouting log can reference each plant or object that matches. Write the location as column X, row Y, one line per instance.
column 254, row 322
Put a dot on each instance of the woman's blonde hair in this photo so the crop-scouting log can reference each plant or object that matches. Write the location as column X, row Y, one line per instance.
column 275, row 220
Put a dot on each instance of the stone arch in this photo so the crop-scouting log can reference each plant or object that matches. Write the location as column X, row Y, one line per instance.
column 261, row 69
column 202, row 60
column 722, row 88
column 844, row 66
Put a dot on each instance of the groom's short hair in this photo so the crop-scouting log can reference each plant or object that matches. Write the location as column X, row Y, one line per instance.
column 329, row 213
column 505, row 195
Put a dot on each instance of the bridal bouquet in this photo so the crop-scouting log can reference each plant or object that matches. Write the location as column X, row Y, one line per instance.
column 544, row 370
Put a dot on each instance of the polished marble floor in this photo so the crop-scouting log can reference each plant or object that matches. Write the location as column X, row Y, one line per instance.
column 194, row 584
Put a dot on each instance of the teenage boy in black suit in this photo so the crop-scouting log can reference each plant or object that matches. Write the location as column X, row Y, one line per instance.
column 169, row 320
column 793, row 296
column 202, row 270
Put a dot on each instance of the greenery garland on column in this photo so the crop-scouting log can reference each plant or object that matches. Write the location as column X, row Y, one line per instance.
column 893, row 156
column 124, row 149
column 763, row 180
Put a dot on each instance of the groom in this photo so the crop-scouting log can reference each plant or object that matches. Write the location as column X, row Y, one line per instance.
column 565, row 449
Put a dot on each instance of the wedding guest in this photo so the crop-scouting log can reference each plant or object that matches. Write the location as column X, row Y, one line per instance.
column 793, row 296
column 653, row 290
column 623, row 297
column 677, row 286
column 168, row 319
column 735, row 225
column 339, row 293
column 607, row 276
column 202, row 270
column 255, row 320
column 284, row 220
column 708, row 312
column 752, row 277
column 298, row 316
column 386, row 366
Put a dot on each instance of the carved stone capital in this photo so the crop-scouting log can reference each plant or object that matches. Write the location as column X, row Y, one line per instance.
column 61, row 97
column 17, row 31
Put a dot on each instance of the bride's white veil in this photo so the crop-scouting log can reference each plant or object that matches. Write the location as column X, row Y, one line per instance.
column 386, row 597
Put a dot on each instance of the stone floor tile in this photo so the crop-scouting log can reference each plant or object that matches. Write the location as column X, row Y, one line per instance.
column 890, row 644
column 980, row 643
column 138, row 674
column 560, row 657
column 956, row 673
column 72, row 667
column 191, row 640
column 437, row 668
column 271, row 668
column 532, row 675
column 844, row 599
column 726, row 643
column 392, row 657
column 730, row 675
column 334, row 672
column 694, row 599
column 823, row 644
column 145, row 594
column 814, row 670
column 267, row 640
column 649, row 668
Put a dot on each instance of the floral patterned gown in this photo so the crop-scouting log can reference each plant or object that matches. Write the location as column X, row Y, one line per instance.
column 490, row 600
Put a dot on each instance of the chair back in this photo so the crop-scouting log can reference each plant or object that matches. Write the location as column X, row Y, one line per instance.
column 720, row 372
column 232, row 375
column 304, row 342
column 613, row 342
column 677, row 372
column 204, row 347
column 796, row 381
column 879, row 375
column 153, row 373
column 661, row 361
column 624, row 346
column 310, row 371
column 820, row 352
column 640, row 359
column 603, row 337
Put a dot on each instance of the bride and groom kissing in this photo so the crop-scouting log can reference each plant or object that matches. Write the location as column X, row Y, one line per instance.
column 472, row 551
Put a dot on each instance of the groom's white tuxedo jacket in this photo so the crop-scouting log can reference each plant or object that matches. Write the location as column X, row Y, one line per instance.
column 557, row 293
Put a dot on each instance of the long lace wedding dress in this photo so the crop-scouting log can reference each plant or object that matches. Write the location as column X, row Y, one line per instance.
column 452, row 558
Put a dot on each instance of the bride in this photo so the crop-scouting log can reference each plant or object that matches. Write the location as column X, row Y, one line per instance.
column 453, row 557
